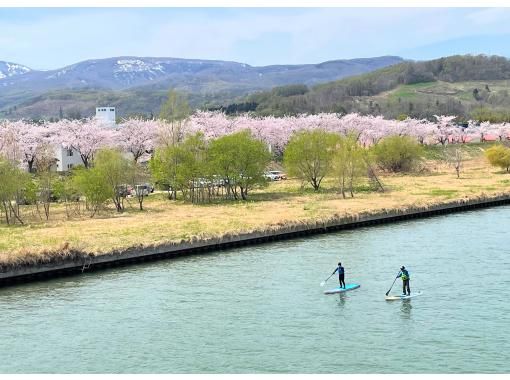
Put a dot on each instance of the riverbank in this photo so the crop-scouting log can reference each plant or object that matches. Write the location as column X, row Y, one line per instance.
column 69, row 261
column 271, row 211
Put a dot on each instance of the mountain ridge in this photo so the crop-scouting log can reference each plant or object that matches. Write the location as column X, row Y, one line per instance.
column 201, row 79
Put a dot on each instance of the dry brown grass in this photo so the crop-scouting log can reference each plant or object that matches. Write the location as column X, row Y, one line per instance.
column 281, row 203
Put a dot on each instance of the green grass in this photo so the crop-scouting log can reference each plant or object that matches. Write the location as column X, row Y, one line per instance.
column 442, row 193
column 472, row 150
column 408, row 91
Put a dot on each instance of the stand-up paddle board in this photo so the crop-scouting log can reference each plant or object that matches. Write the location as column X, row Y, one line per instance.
column 341, row 290
column 400, row 297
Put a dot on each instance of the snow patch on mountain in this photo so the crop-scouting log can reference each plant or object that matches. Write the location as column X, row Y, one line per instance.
column 8, row 69
column 136, row 66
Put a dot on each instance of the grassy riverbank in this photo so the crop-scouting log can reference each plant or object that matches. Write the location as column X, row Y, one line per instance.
column 280, row 203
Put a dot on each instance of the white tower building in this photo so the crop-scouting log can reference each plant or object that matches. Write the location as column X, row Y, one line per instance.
column 106, row 113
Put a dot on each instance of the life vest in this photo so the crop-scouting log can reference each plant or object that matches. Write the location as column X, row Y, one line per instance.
column 405, row 275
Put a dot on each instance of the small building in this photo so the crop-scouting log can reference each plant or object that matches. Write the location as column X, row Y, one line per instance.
column 106, row 113
column 66, row 159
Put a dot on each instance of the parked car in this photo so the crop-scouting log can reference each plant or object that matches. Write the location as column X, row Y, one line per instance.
column 144, row 190
column 150, row 186
column 275, row 175
column 281, row 175
column 270, row 176
column 123, row 190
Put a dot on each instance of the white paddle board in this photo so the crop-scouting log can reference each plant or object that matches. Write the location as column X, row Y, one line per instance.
column 401, row 297
column 341, row 290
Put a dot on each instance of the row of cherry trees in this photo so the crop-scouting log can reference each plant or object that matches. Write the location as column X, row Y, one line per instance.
column 21, row 141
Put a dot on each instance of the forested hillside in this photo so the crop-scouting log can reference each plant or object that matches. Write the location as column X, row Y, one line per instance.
column 469, row 86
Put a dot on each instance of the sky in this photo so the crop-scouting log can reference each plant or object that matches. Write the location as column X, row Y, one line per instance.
column 50, row 38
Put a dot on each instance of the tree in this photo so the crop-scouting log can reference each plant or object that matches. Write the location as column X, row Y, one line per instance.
column 499, row 155
column 175, row 111
column 12, row 183
column 163, row 171
column 115, row 171
column 454, row 157
column 139, row 176
column 240, row 159
column 44, row 163
column 136, row 136
column 444, row 128
column 65, row 190
column 398, row 153
column 26, row 139
column 92, row 185
column 349, row 164
column 192, row 155
column 309, row 155
column 167, row 169
column 86, row 136
column 178, row 167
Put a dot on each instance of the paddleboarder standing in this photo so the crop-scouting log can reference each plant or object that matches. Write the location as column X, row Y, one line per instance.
column 341, row 275
column 404, row 274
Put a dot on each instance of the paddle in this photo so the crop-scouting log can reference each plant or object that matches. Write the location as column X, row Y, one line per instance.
column 388, row 292
column 324, row 282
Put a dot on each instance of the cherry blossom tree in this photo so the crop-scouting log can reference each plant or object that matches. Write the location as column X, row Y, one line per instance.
column 9, row 145
column 502, row 131
column 85, row 136
column 137, row 136
column 444, row 128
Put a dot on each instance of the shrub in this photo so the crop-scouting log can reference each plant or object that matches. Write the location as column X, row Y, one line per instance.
column 398, row 153
column 499, row 156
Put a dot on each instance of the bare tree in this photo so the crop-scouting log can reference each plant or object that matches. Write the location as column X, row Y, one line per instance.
column 454, row 157
column 44, row 163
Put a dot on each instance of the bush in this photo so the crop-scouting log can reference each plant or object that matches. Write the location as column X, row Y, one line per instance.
column 398, row 153
column 499, row 156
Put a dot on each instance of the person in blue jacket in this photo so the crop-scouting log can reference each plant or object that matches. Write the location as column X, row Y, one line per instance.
column 341, row 275
column 404, row 274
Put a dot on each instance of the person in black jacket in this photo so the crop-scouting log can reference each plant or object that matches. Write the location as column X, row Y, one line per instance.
column 341, row 275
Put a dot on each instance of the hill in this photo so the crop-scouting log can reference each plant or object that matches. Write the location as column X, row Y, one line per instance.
column 461, row 85
column 137, row 84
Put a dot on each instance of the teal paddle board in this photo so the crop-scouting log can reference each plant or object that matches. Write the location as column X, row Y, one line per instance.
column 341, row 290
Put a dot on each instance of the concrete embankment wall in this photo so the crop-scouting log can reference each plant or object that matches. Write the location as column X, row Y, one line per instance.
column 136, row 254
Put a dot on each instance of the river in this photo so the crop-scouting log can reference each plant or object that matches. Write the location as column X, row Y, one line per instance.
column 260, row 309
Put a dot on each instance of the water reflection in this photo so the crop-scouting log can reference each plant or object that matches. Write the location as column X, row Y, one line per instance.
column 406, row 308
column 341, row 299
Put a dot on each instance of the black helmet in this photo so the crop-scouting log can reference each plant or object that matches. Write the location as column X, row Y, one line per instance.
column 339, row 264
column 403, row 267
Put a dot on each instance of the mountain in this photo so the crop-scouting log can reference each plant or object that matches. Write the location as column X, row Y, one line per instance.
column 33, row 93
column 456, row 85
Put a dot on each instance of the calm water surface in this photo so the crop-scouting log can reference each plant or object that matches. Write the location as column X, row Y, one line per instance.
column 261, row 309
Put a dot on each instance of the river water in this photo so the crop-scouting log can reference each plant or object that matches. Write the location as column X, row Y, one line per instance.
column 261, row 308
